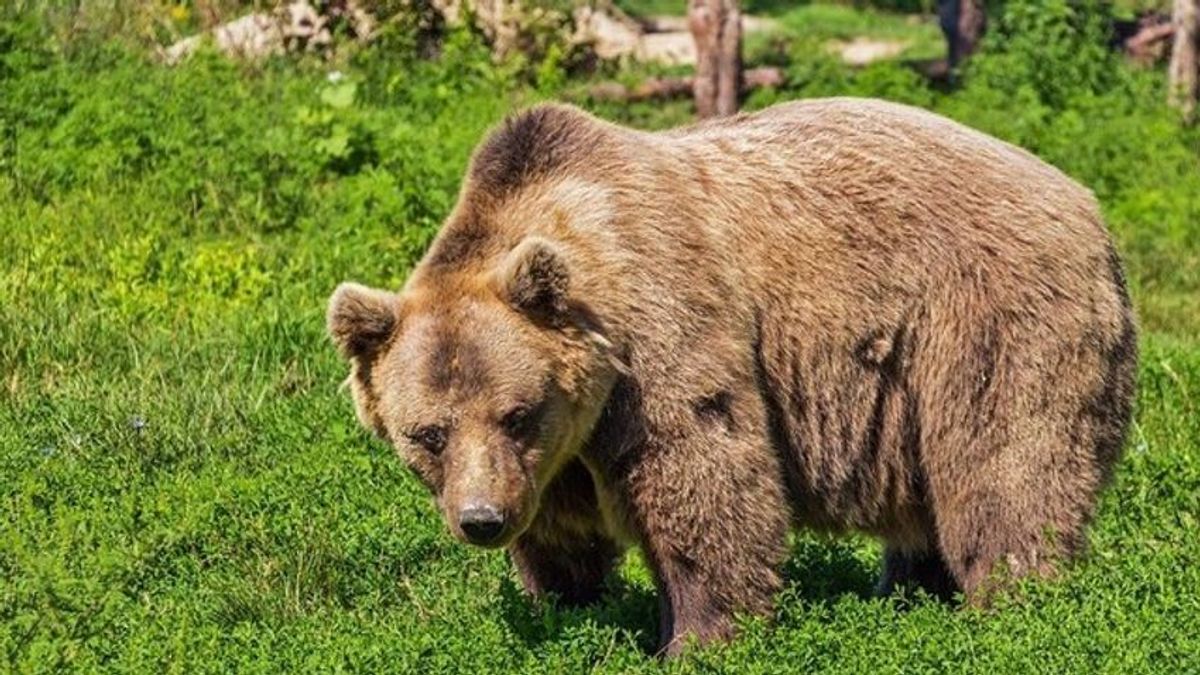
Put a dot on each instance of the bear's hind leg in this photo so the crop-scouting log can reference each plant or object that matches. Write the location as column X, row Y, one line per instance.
column 991, row 537
column 908, row 571
column 1011, row 454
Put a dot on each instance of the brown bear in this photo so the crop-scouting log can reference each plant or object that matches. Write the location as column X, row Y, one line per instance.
column 835, row 314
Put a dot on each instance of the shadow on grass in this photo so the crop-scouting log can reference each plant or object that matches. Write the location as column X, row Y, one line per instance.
column 826, row 569
column 816, row 571
column 629, row 609
column 937, row 73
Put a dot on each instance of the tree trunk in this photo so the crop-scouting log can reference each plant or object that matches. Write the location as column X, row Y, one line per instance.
column 1185, row 57
column 963, row 23
column 716, row 26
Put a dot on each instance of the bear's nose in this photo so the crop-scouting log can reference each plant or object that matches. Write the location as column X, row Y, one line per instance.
column 482, row 523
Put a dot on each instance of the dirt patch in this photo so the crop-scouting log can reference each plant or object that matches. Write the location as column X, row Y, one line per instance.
column 863, row 50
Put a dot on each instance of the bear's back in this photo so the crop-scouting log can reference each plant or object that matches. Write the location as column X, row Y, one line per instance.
column 850, row 195
column 892, row 162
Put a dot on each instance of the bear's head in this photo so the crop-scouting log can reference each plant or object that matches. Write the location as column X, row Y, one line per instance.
column 486, row 381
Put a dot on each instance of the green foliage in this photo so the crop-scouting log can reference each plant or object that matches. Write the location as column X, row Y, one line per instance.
column 184, row 487
column 1050, row 52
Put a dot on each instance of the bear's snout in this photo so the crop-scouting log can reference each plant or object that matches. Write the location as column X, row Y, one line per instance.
column 482, row 524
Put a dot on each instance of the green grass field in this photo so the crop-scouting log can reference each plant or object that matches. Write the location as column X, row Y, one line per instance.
column 183, row 485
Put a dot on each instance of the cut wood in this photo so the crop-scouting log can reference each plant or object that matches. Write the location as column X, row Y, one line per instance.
column 296, row 26
column 508, row 26
column 610, row 33
column 249, row 37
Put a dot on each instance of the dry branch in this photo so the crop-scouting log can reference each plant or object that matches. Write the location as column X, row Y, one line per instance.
column 1150, row 41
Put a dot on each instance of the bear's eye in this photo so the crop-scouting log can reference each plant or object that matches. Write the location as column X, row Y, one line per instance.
column 521, row 421
column 432, row 438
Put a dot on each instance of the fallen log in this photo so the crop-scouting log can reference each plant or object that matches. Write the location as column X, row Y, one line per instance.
column 1150, row 43
column 677, row 87
column 1144, row 39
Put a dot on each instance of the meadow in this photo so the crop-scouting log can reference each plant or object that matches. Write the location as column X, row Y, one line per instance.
column 183, row 486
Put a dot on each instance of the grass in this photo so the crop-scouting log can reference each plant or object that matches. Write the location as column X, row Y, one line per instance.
column 184, row 488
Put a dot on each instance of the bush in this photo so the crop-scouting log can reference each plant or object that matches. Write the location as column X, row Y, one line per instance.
column 1049, row 52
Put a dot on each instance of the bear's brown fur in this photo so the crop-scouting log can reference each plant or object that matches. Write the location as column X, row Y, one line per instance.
column 838, row 314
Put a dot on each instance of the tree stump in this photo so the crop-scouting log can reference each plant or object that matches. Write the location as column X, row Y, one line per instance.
column 716, row 26
column 1185, row 58
column 963, row 23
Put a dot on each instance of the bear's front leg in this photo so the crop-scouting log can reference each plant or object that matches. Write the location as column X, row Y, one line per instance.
column 710, row 506
column 574, row 570
column 566, row 551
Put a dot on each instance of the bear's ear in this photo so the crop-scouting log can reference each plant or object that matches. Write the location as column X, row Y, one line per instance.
column 534, row 279
column 360, row 319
